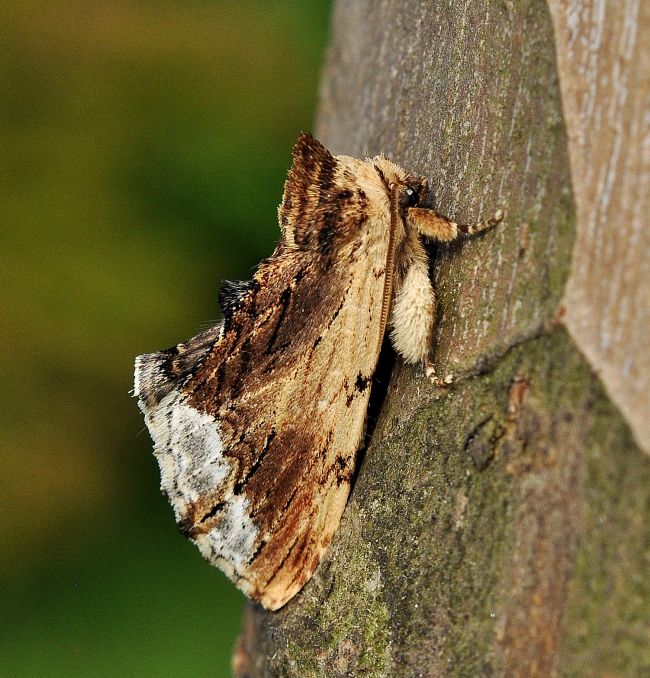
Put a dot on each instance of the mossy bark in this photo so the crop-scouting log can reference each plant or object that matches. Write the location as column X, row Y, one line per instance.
column 498, row 526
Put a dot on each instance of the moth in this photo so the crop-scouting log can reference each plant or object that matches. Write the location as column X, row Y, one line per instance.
column 257, row 421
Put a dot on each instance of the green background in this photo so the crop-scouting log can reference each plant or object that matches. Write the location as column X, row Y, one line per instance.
column 143, row 149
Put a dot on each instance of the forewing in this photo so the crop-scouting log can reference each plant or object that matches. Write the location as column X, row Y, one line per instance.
column 257, row 444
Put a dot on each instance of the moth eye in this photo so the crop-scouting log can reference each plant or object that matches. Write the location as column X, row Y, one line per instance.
column 409, row 197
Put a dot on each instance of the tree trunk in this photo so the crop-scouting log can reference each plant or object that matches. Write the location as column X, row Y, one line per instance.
column 498, row 526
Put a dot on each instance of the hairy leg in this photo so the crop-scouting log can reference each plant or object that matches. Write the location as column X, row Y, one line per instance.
column 413, row 314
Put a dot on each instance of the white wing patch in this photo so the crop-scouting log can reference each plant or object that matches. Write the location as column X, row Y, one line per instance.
column 233, row 538
column 189, row 450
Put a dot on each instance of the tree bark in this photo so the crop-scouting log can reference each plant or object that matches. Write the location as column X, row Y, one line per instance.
column 498, row 526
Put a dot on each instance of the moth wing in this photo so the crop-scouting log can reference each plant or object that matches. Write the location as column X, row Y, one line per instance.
column 257, row 440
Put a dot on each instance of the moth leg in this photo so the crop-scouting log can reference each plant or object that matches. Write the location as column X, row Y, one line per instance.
column 413, row 316
column 432, row 225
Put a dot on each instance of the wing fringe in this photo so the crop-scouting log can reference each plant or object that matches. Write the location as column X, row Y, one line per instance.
column 157, row 374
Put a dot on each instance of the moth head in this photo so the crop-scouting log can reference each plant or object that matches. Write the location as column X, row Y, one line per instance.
column 406, row 188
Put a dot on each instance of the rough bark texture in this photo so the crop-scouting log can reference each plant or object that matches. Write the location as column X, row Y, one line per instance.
column 604, row 64
column 500, row 526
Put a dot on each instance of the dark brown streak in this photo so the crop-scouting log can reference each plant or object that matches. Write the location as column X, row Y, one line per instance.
column 284, row 559
column 337, row 311
column 328, row 442
column 220, row 376
column 329, row 324
column 299, row 276
column 300, row 572
column 258, row 550
column 326, row 233
column 382, row 176
column 298, row 485
column 335, row 208
column 213, row 511
column 246, row 356
column 287, row 503
column 261, row 504
column 325, row 177
column 285, row 299
column 240, row 485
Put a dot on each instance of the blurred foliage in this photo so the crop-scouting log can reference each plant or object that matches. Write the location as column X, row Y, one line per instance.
column 144, row 148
